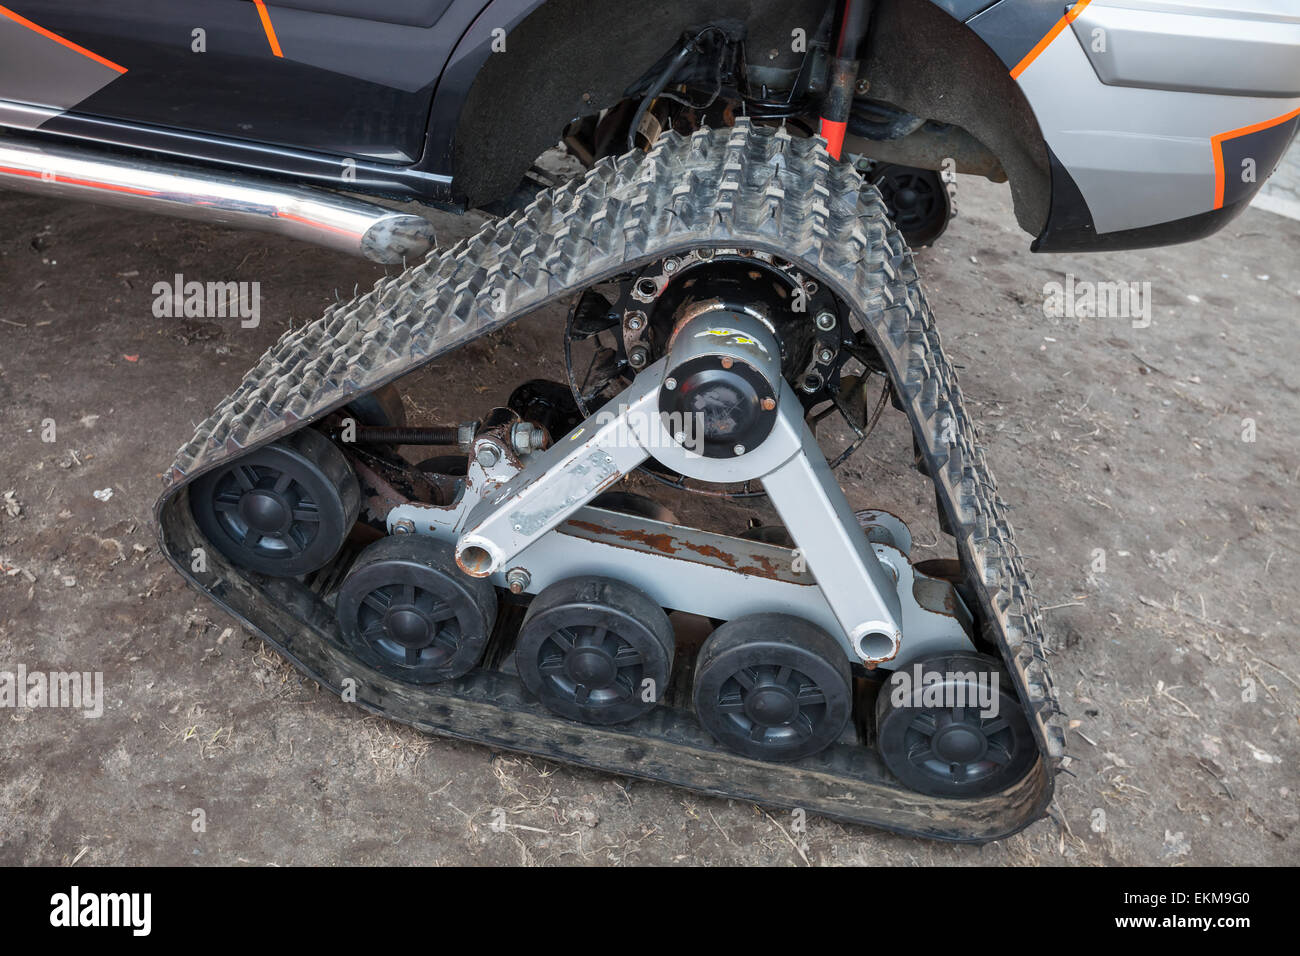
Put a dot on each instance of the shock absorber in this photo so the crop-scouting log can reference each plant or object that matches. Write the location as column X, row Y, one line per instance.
column 850, row 36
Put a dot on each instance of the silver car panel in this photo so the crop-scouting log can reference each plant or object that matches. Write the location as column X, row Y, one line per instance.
column 1163, row 45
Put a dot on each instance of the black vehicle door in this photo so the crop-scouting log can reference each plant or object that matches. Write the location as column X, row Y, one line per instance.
column 345, row 77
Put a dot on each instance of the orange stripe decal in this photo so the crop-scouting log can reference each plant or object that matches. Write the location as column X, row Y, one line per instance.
column 1046, row 41
column 268, row 27
column 23, row 21
column 1216, row 143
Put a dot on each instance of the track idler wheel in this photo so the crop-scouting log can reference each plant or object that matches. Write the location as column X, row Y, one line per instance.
column 406, row 610
column 773, row 687
column 284, row 509
column 595, row 650
column 950, row 726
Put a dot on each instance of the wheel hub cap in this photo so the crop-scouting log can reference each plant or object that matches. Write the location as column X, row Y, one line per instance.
column 959, row 743
column 407, row 627
column 265, row 511
column 591, row 666
column 771, row 706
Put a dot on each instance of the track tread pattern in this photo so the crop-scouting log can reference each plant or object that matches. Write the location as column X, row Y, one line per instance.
column 745, row 186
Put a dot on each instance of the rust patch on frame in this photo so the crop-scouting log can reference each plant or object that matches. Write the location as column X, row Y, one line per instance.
column 751, row 565
column 663, row 543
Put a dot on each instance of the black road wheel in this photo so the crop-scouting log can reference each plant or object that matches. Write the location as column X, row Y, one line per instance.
column 958, row 732
column 406, row 610
column 283, row 509
column 773, row 687
column 595, row 650
column 917, row 200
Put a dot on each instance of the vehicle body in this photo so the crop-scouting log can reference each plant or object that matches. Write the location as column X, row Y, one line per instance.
column 1109, row 137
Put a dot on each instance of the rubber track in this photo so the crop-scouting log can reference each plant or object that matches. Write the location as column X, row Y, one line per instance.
column 747, row 187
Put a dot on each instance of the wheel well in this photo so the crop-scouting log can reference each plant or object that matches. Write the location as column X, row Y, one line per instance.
column 570, row 58
column 926, row 62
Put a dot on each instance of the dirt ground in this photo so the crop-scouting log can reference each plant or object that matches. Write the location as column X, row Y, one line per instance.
column 1152, row 473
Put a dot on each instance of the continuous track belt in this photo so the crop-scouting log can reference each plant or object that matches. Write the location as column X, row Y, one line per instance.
column 747, row 187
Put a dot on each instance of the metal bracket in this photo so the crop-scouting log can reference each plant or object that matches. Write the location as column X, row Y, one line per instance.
column 616, row 439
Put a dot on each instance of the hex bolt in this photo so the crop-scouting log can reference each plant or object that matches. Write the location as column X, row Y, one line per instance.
column 768, row 404
column 739, row 449
column 671, row 265
column 488, row 455
column 518, row 580
column 670, row 383
column 825, row 321
column 638, row 357
column 635, row 321
column 526, row 437
column 403, row 527
column 825, row 355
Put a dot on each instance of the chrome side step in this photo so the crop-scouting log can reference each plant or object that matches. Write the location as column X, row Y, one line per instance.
column 314, row 215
